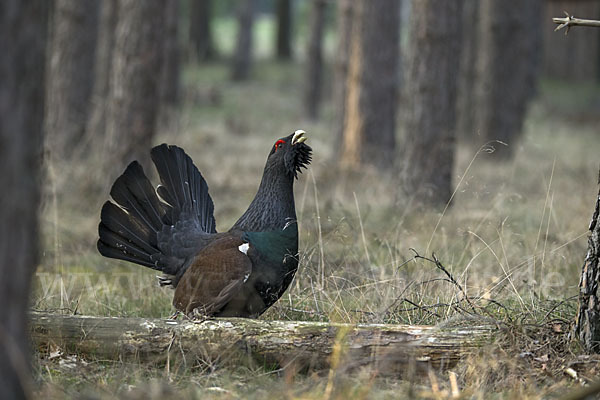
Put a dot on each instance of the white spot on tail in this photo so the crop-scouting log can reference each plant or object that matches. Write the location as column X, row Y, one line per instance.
column 244, row 247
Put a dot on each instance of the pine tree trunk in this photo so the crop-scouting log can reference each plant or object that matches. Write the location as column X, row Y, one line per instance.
column 23, row 32
column 372, row 85
column 344, row 18
column 242, row 58
column 314, row 62
column 284, row 29
column 508, row 32
column 103, row 70
column 574, row 57
column 134, row 96
column 200, row 34
column 71, row 73
column 587, row 325
column 432, row 87
column 466, row 101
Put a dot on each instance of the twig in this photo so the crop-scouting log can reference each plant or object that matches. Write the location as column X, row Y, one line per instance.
column 400, row 296
column 496, row 303
column 568, row 299
column 441, row 267
column 422, row 308
column 570, row 21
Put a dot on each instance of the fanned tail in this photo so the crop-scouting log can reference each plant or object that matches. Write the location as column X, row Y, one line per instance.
column 129, row 231
column 141, row 228
column 182, row 185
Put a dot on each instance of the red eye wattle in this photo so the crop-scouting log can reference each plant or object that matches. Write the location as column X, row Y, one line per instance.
column 279, row 143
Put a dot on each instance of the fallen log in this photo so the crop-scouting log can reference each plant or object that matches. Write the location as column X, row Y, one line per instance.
column 276, row 344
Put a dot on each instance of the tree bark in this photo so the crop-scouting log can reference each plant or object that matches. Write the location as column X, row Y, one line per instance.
column 509, row 31
column 242, row 58
column 96, row 127
column 134, row 96
column 200, row 33
column 314, row 62
column 23, row 32
column 284, row 29
column 372, row 85
column 70, row 73
column 587, row 325
column 305, row 345
column 344, row 18
column 432, row 87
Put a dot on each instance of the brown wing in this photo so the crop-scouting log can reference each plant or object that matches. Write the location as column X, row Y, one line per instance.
column 215, row 275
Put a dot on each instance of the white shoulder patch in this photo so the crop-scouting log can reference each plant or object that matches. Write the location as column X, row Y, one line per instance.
column 244, row 247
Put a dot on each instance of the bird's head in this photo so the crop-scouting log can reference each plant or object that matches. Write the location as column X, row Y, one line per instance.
column 290, row 153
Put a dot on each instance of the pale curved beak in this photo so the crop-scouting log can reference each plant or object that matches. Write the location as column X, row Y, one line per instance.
column 299, row 137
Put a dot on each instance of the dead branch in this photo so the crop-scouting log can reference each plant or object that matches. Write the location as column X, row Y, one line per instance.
column 438, row 264
column 570, row 21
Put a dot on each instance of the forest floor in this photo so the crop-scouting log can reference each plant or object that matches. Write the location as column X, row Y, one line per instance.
column 514, row 238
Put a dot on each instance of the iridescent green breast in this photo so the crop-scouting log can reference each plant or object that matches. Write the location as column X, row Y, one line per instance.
column 274, row 246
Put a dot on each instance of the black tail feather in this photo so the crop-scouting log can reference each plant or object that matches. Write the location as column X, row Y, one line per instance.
column 130, row 229
column 133, row 191
column 183, row 186
column 114, row 219
column 113, row 245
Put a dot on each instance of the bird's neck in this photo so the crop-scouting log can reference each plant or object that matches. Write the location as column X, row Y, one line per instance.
column 273, row 206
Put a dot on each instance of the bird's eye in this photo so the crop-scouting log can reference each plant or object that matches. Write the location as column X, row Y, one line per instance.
column 279, row 143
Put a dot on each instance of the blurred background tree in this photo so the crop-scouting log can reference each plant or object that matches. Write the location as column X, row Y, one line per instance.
column 242, row 60
column 431, row 86
column 466, row 99
column 344, row 17
column 171, row 69
column 508, row 31
column 283, row 10
column 103, row 70
column 134, row 95
column 493, row 91
column 70, row 72
column 314, row 62
column 499, row 48
column 201, row 31
column 369, row 132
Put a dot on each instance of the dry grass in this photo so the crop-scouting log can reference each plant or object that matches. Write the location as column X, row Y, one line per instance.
column 513, row 239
